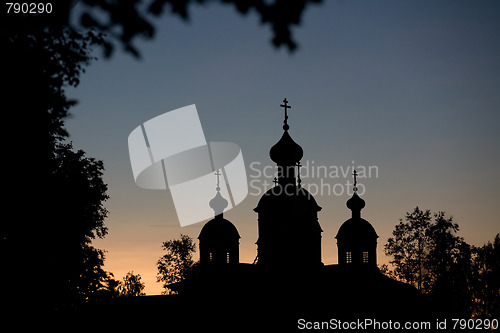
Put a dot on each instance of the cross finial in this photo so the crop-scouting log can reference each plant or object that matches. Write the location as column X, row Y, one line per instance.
column 275, row 181
column 299, row 181
column 217, row 173
column 355, row 174
column 286, row 106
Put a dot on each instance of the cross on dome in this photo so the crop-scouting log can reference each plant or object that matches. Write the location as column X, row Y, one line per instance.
column 355, row 203
column 286, row 106
column 218, row 203
column 217, row 173
column 355, row 175
column 286, row 152
column 299, row 180
column 275, row 181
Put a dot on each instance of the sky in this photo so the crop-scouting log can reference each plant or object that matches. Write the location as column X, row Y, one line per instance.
column 408, row 88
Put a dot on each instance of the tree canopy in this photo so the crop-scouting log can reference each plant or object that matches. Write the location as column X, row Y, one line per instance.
column 459, row 279
column 131, row 285
column 177, row 262
column 125, row 21
column 48, row 244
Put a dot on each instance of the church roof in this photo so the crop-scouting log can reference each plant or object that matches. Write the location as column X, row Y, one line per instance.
column 219, row 229
column 287, row 196
column 356, row 227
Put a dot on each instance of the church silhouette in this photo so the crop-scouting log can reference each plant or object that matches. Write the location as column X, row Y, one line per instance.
column 288, row 271
column 289, row 230
column 287, row 287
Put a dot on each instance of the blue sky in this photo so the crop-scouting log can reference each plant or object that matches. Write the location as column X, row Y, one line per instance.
column 411, row 87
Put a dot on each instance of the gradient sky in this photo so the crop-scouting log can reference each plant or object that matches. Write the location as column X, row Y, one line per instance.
column 411, row 87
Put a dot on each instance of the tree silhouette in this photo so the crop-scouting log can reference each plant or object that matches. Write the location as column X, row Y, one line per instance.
column 443, row 245
column 409, row 245
column 460, row 280
column 177, row 263
column 131, row 285
column 124, row 21
column 76, row 214
column 36, row 69
column 49, row 245
column 448, row 266
column 486, row 286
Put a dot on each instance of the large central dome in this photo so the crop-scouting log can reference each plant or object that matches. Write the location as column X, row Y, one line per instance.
column 283, row 198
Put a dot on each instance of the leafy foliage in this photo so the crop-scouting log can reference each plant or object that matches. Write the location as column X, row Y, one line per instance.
column 48, row 244
column 131, row 285
column 124, row 21
column 177, row 263
column 409, row 247
column 486, row 279
column 47, row 247
column 37, row 69
column 76, row 214
column 460, row 279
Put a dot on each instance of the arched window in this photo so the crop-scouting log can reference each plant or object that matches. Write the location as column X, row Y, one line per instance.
column 211, row 257
column 348, row 257
column 227, row 257
column 365, row 257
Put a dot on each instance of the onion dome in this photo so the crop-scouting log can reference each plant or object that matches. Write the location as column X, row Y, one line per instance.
column 356, row 227
column 286, row 151
column 355, row 203
column 218, row 203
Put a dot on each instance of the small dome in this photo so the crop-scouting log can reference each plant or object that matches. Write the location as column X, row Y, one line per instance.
column 355, row 203
column 286, row 151
column 218, row 203
column 356, row 228
column 287, row 197
column 219, row 229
